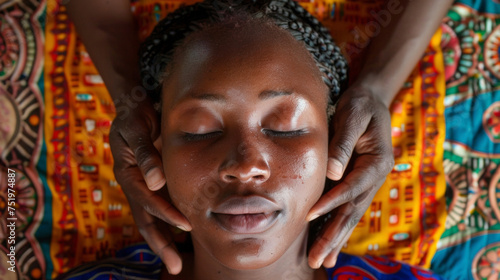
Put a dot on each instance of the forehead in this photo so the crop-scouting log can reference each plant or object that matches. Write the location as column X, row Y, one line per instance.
column 250, row 57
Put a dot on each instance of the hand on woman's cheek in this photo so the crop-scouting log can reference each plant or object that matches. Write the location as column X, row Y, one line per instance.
column 362, row 136
column 134, row 157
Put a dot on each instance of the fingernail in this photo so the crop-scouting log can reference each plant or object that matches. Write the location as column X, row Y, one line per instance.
column 313, row 217
column 155, row 179
column 335, row 168
column 319, row 263
column 181, row 227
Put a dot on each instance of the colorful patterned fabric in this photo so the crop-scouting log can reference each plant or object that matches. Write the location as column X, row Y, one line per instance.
column 406, row 217
column 139, row 262
column 55, row 115
column 90, row 218
column 133, row 262
column 21, row 138
column 376, row 268
column 470, row 245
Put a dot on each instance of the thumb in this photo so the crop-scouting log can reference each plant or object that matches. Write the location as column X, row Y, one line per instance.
column 147, row 157
column 349, row 127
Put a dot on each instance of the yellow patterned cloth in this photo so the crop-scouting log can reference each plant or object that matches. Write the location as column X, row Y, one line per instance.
column 407, row 215
column 91, row 218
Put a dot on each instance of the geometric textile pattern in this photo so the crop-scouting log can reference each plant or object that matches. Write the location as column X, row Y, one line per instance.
column 21, row 123
column 469, row 246
column 90, row 217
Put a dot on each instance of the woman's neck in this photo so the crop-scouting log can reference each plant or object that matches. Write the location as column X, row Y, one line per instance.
column 292, row 265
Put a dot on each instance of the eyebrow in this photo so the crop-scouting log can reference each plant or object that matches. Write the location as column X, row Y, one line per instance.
column 209, row 97
column 265, row 95
column 268, row 94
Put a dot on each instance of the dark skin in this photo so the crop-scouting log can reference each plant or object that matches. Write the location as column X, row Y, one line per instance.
column 361, row 123
column 256, row 126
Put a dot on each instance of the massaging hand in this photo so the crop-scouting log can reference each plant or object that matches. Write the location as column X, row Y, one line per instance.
column 138, row 169
column 362, row 138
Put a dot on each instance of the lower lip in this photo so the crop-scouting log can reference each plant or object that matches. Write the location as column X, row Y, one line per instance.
column 246, row 223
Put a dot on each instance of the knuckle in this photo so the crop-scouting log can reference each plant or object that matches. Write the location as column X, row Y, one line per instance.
column 357, row 118
column 390, row 163
column 144, row 156
column 383, row 162
column 351, row 223
column 362, row 100
column 352, row 220
column 386, row 164
column 151, row 210
column 344, row 151
column 121, row 176
column 326, row 243
column 361, row 199
column 350, row 193
column 346, row 196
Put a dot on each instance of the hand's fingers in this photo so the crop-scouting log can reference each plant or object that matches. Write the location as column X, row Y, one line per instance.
column 159, row 207
column 349, row 124
column 131, row 180
column 331, row 258
column 156, row 235
column 338, row 230
column 146, row 155
column 368, row 173
column 332, row 235
column 152, row 202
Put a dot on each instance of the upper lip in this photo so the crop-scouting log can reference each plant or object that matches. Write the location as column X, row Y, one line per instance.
column 238, row 205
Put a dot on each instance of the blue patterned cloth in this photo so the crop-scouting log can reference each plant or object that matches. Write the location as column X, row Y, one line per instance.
column 139, row 262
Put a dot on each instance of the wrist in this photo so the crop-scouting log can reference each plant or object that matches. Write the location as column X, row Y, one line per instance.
column 378, row 86
column 122, row 86
column 132, row 99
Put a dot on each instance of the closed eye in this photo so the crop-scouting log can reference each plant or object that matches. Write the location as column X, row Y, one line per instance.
column 284, row 134
column 192, row 137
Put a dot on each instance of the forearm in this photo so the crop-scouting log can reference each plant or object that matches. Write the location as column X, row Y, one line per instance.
column 393, row 54
column 109, row 34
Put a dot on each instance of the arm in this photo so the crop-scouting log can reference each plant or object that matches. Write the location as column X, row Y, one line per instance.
column 108, row 31
column 362, row 123
column 109, row 34
column 393, row 54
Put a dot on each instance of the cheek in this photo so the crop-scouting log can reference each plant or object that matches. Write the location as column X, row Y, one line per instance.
column 187, row 178
column 303, row 173
column 312, row 176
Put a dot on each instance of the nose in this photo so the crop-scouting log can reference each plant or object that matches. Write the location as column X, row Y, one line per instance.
column 245, row 163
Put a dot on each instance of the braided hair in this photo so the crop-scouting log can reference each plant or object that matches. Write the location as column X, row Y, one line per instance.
column 157, row 51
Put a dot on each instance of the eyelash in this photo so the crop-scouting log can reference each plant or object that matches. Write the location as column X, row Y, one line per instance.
column 192, row 137
column 284, row 134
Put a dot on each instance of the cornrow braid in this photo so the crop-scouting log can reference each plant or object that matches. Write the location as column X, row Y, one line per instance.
column 157, row 51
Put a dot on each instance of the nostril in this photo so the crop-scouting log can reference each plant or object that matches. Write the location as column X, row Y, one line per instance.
column 230, row 177
column 259, row 177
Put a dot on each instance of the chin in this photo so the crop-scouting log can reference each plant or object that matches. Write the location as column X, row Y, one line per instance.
column 249, row 254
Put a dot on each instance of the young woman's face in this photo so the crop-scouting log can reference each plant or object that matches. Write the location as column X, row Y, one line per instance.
column 244, row 139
